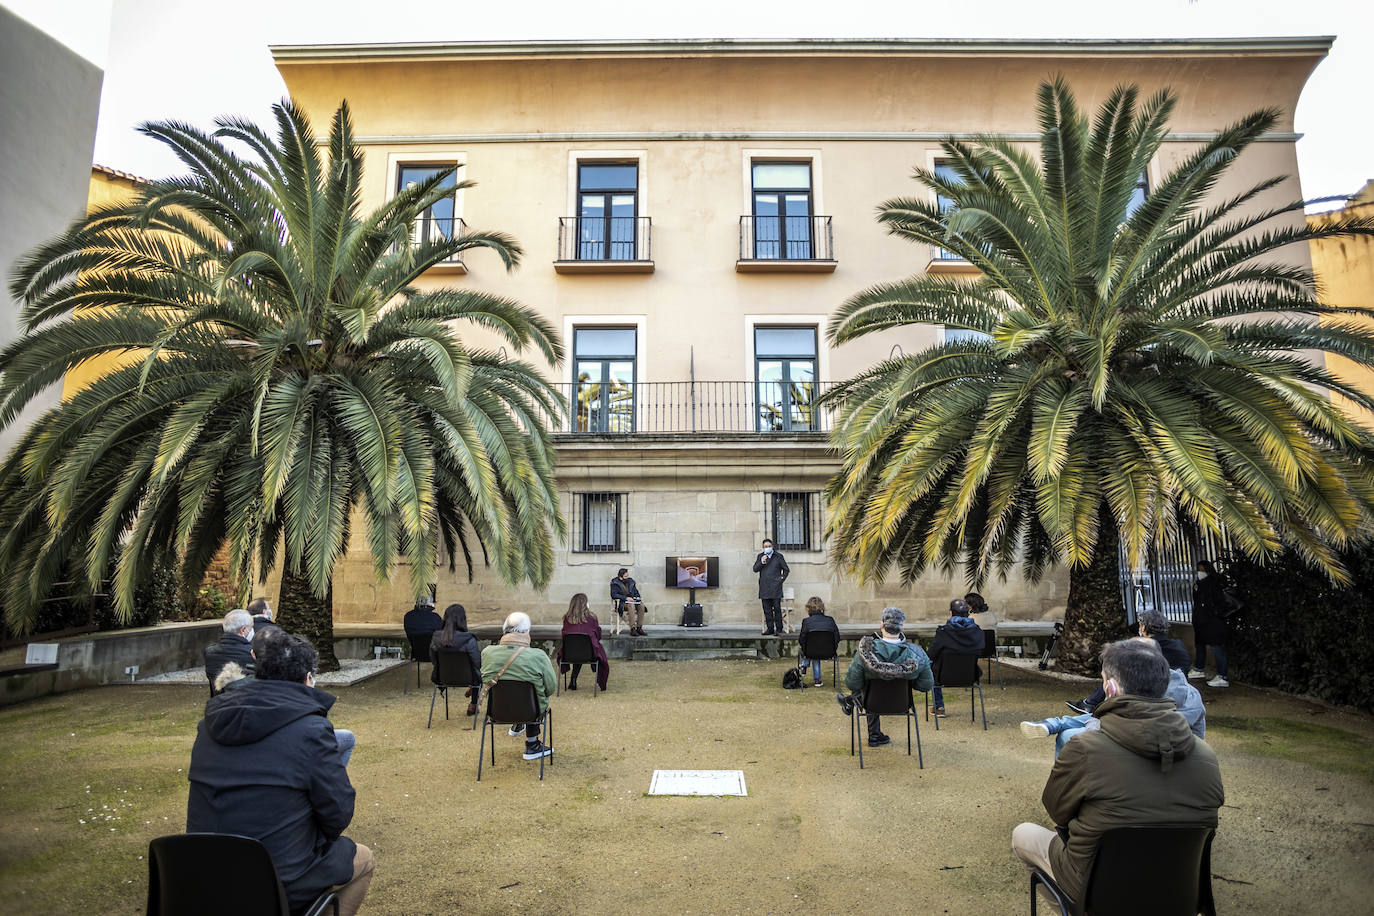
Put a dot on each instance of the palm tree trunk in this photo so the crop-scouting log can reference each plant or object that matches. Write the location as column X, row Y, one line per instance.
column 306, row 614
column 1095, row 614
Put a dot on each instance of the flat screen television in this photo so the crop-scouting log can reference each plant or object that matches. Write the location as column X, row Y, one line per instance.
column 691, row 572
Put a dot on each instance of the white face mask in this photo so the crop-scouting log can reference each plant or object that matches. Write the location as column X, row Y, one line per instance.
column 768, row 551
column 1201, row 575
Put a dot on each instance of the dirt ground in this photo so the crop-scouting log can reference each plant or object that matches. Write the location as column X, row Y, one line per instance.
column 86, row 779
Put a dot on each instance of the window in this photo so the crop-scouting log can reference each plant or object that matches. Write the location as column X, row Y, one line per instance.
column 607, row 202
column 785, row 378
column 782, row 210
column 604, row 373
column 957, row 335
column 795, row 520
column 439, row 219
column 1137, row 200
column 599, row 520
column 946, row 171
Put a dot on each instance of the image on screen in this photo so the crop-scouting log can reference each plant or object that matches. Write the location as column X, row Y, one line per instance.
column 691, row 572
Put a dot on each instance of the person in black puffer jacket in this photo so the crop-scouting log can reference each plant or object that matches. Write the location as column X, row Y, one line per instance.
column 958, row 636
column 266, row 765
column 454, row 637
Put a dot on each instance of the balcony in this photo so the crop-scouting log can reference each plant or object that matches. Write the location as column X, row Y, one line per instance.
column 609, row 245
column 786, row 244
column 947, row 262
column 430, row 228
column 690, row 407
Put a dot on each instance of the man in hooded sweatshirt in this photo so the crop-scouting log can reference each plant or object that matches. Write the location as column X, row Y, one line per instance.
column 957, row 636
column 1142, row 766
column 266, row 764
column 885, row 655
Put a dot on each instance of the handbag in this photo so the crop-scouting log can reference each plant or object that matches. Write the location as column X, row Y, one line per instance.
column 486, row 687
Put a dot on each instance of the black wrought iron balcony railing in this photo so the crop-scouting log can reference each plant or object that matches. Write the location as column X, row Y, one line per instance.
column 432, row 228
column 786, row 238
column 605, row 239
column 628, row 408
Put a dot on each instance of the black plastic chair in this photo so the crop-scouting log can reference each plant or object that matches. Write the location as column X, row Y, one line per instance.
column 419, row 652
column 186, row 877
column 819, row 645
column 455, row 670
column 953, row 670
column 578, row 650
column 990, row 653
column 514, row 703
column 886, row 698
column 1178, row 883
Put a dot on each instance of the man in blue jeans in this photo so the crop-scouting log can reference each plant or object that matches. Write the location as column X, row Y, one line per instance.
column 958, row 636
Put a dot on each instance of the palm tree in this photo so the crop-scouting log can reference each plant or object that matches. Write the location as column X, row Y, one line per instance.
column 277, row 372
column 1123, row 373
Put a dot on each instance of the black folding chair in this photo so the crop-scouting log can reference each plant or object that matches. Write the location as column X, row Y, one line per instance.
column 455, row 670
column 990, row 653
column 514, row 703
column 186, row 877
column 819, row 645
column 419, row 652
column 954, row 671
column 1179, row 883
column 577, row 650
column 886, row 698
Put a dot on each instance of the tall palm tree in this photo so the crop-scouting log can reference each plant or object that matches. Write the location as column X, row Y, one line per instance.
column 1127, row 373
column 278, row 371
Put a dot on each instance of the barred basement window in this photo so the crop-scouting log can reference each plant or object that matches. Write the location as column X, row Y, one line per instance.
column 599, row 520
column 795, row 520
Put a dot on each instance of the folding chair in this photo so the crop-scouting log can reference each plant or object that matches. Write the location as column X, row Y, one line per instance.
column 1180, row 881
column 455, row 670
column 886, row 698
column 577, row 650
column 419, row 652
column 186, row 877
column 954, row 671
column 818, row 646
column 990, row 653
column 514, row 703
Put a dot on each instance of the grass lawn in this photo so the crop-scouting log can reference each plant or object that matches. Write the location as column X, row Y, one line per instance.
column 87, row 779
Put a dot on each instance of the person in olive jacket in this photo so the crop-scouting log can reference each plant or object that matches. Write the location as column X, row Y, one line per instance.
column 512, row 659
column 1143, row 766
column 266, row 764
column 773, row 572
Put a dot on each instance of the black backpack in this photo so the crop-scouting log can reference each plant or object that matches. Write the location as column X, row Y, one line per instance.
column 791, row 679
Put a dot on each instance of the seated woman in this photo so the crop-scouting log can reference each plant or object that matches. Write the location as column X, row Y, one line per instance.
column 580, row 619
column 454, row 635
column 816, row 621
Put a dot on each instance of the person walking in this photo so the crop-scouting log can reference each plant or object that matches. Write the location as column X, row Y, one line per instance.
column 1210, row 629
column 773, row 572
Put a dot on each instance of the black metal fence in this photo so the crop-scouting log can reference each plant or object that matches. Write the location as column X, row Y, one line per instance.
column 1164, row 581
column 786, row 238
column 627, row 408
column 611, row 238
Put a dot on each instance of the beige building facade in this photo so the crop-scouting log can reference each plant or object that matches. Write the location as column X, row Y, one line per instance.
column 1345, row 273
column 692, row 213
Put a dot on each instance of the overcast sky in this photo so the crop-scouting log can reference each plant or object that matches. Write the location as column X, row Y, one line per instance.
column 196, row 59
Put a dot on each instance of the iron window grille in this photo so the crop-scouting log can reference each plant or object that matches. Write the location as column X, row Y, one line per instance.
column 795, row 520
column 599, row 520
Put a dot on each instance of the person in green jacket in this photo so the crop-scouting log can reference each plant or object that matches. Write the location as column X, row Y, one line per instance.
column 884, row 655
column 514, row 656
column 1143, row 766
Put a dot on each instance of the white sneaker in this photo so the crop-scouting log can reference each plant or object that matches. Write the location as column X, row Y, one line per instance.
column 1035, row 729
column 1195, row 673
column 1218, row 681
column 516, row 731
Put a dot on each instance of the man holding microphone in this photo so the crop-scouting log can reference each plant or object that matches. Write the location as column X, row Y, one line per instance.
column 773, row 571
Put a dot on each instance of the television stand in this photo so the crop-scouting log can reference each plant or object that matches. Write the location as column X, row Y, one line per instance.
column 691, row 611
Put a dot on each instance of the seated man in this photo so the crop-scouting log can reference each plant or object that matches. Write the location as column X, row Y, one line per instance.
column 1155, row 625
column 1184, row 695
column 884, row 655
column 957, row 636
column 234, row 645
column 628, row 604
column 262, row 614
column 512, row 659
column 266, row 764
column 1142, row 766
column 421, row 619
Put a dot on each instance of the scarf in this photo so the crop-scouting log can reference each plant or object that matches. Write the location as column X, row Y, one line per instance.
column 516, row 639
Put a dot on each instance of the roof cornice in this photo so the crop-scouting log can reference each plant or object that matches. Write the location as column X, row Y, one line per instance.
column 1317, row 45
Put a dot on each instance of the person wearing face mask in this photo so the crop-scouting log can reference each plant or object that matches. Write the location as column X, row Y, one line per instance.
column 1210, row 629
column 1142, row 766
column 773, row 572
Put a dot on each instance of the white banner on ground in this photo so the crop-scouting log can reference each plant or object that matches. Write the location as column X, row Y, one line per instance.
column 698, row 782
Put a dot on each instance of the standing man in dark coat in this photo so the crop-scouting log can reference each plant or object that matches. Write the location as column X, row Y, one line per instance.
column 773, row 572
column 1209, row 623
column 266, row 765
column 235, row 645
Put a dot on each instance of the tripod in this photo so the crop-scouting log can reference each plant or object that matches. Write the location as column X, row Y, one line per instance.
column 1054, row 644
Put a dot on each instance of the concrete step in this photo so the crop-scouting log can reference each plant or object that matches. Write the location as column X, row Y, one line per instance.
column 693, row 653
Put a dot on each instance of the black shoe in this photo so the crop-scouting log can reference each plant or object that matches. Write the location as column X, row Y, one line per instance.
column 878, row 741
column 846, row 703
column 1079, row 706
column 533, row 751
column 572, row 685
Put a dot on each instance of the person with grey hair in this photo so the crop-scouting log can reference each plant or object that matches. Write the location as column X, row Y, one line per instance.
column 421, row 620
column 235, row 645
column 1155, row 625
column 1142, row 766
column 884, row 655
column 512, row 659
